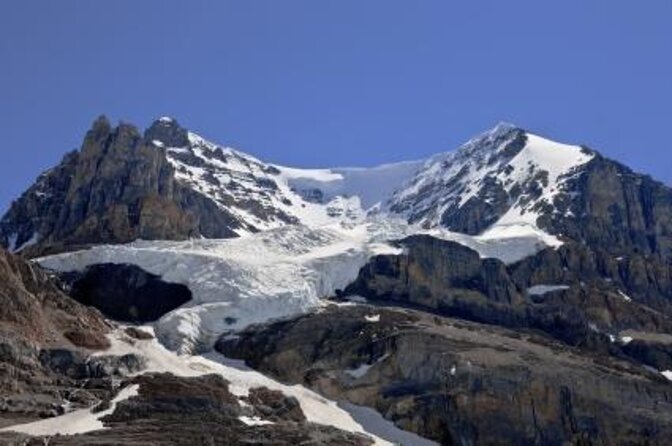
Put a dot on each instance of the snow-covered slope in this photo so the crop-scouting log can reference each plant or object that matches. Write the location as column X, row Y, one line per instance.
column 497, row 185
column 264, row 196
column 316, row 408
column 373, row 186
column 237, row 282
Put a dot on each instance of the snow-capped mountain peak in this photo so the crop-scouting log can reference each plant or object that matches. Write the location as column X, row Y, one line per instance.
column 505, row 176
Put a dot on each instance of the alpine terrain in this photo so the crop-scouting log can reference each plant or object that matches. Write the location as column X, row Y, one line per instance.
column 158, row 288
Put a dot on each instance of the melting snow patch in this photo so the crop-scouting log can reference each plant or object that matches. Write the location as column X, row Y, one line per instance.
column 540, row 290
column 254, row 421
column 316, row 408
column 379, row 426
column 625, row 340
column 625, row 296
column 364, row 368
column 76, row 422
column 11, row 242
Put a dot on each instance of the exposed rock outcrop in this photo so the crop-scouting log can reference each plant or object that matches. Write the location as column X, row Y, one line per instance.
column 172, row 410
column 45, row 339
column 583, row 302
column 117, row 188
column 462, row 383
column 617, row 210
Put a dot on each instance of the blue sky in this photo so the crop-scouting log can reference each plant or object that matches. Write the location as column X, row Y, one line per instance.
column 332, row 83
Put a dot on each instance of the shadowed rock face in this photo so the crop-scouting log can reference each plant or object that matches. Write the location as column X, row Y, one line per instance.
column 117, row 188
column 461, row 383
column 617, row 210
column 451, row 279
column 170, row 410
column 45, row 338
column 126, row 292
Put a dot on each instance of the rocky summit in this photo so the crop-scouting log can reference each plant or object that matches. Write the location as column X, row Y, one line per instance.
column 159, row 288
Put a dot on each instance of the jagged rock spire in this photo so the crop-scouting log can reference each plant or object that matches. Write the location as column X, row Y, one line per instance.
column 168, row 132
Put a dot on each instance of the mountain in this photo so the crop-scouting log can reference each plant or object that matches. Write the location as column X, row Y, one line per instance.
column 438, row 292
column 172, row 184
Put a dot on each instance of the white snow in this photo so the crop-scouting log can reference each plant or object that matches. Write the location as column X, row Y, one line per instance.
column 667, row 374
column 624, row 296
column 75, row 422
column 12, row 246
column 540, row 290
column 626, row 339
column 372, row 185
column 558, row 160
column 11, row 242
column 316, row 408
column 372, row 318
column 363, row 369
column 449, row 181
column 254, row 421
column 384, row 429
column 237, row 282
column 509, row 244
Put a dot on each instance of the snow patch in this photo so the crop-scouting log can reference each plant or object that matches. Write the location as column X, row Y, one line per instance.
column 372, row 185
column 76, row 422
column 540, row 290
column 384, row 429
column 363, row 369
column 254, row 421
column 316, row 408
column 12, row 242
column 624, row 296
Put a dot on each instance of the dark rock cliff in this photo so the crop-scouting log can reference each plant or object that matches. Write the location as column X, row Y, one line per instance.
column 117, row 188
column 595, row 300
column 45, row 338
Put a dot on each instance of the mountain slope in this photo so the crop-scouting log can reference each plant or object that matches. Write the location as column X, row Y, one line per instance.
column 172, row 184
column 506, row 184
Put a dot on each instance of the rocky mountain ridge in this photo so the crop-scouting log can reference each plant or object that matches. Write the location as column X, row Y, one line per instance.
column 172, row 184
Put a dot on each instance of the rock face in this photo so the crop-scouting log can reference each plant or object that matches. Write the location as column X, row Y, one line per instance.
column 618, row 210
column 120, row 186
column 33, row 308
column 126, row 292
column 462, row 383
column 584, row 300
column 172, row 410
column 45, row 339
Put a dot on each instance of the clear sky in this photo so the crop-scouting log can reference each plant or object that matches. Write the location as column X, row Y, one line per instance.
column 334, row 83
